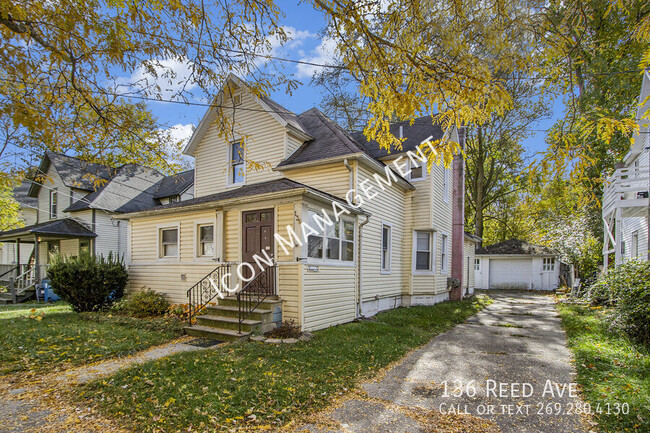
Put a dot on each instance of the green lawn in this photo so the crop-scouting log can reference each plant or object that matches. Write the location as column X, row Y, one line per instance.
column 257, row 384
column 611, row 369
column 43, row 337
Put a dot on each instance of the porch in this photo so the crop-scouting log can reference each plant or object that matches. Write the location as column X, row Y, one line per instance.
column 626, row 195
column 64, row 236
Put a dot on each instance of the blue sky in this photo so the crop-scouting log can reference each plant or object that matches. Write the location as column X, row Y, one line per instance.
column 305, row 24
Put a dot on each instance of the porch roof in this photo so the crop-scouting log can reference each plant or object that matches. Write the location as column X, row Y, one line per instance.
column 257, row 190
column 66, row 227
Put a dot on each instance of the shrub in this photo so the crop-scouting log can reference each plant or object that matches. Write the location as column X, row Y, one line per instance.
column 613, row 284
column 634, row 308
column 145, row 303
column 88, row 283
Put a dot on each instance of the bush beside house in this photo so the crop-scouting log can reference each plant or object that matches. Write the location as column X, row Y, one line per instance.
column 145, row 303
column 627, row 289
column 88, row 283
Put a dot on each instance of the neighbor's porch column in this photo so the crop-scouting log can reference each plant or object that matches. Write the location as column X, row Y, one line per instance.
column 37, row 267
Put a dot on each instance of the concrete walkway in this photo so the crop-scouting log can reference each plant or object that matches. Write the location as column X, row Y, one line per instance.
column 506, row 369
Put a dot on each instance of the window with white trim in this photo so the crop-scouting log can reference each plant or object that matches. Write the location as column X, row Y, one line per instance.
column 206, row 240
column 237, row 164
column 443, row 253
column 423, row 250
column 335, row 243
column 53, row 204
column 548, row 264
column 169, row 242
column 445, row 184
column 385, row 247
column 477, row 264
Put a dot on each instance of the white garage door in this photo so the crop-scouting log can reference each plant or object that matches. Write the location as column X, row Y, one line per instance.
column 510, row 274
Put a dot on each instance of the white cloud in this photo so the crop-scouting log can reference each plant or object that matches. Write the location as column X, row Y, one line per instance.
column 295, row 39
column 175, row 138
column 171, row 76
column 324, row 53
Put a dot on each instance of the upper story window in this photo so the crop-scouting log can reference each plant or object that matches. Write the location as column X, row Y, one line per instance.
column 477, row 264
column 423, row 251
column 206, row 240
column 169, row 242
column 445, row 184
column 237, row 165
column 385, row 247
column 173, row 199
column 443, row 253
column 548, row 264
column 336, row 242
column 53, row 204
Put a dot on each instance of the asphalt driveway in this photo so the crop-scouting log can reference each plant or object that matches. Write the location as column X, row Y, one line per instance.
column 506, row 369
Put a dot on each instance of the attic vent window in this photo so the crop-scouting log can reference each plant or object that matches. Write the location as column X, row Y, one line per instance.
column 236, row 100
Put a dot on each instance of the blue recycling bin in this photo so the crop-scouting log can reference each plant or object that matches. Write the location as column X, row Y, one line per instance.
column 48, row 294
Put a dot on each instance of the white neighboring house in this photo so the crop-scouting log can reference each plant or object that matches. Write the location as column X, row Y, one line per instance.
column 72, row 207
column 516, row 265
column 625, row 199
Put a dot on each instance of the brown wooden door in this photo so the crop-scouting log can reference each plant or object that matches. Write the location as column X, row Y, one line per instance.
column 257, row 235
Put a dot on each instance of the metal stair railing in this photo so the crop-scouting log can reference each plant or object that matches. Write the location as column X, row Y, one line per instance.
column 208, row 288
column 255, row 292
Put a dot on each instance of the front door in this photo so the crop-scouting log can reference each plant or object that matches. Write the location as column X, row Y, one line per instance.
column 257, row 236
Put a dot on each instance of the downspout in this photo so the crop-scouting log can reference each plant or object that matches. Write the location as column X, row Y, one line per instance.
column 359, row 253
column 359, row 268
column 458, row 220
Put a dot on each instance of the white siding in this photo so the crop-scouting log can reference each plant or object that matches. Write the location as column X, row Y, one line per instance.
column 265, row 141
column 329, row 296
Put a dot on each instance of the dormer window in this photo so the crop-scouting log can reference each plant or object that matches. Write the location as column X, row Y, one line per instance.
column 237, row 168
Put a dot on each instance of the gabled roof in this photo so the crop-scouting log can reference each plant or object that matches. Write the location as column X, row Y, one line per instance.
column 176, row 184
column 74, row 172
column 130, row 190
column 516, row 247
column 21, row 195
column 66, row 227
column 329, row 140
column 284, row 117
column 421, row 129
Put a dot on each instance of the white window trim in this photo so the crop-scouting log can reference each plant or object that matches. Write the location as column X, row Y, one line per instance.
column 387, row 270
column 324, row 261
column 410, row 166
column 634, row 244
column 159, row 229
column 55, row 215
column 229, row 182
column 197, row 239
column 444, row 266
column 445, row 184
column 547, row 262
column 432, row 254
column 477, row 264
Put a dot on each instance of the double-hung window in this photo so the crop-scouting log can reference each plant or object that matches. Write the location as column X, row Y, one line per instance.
column 53, row 204
column 237, row 164
column 335, row 243
column 169, row 242
column 443, row 253
column 385, row 247
column 423, row 251
column 206, row 240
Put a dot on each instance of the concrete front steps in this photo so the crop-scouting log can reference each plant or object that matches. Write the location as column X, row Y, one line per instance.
column 221, row 322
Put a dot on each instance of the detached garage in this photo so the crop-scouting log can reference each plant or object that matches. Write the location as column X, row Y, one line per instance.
column 516, row 265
